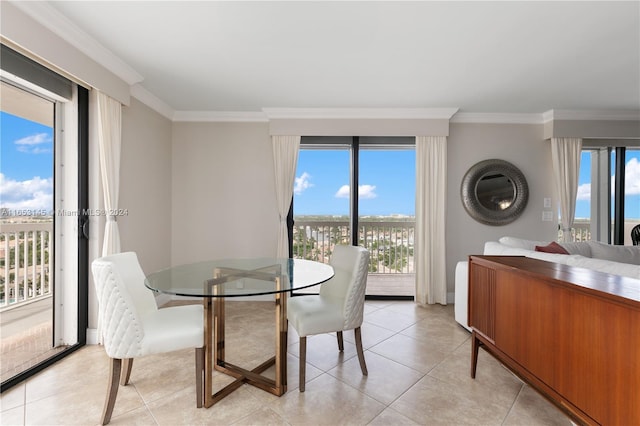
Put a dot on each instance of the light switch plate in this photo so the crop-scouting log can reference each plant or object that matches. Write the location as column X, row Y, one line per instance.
column 547, row 216
column 547, row 203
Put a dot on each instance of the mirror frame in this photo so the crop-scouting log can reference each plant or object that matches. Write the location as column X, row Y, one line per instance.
column 470, row 199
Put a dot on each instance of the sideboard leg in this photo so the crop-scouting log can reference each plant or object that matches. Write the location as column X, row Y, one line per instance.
column 475, row 346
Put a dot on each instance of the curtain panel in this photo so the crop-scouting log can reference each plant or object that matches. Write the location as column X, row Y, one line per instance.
column 285, row 159
column 109, row 141
column 565, row 158
column 430, row 245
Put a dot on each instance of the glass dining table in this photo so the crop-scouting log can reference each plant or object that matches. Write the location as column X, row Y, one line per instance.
column 219, row 280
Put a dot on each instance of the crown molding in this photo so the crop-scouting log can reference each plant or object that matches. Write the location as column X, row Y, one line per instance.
column 497, row 118
column 315, row 113
column 220, row 116
column 152, row 101
column 360, row 113
column 619, row 115
column 60, row 25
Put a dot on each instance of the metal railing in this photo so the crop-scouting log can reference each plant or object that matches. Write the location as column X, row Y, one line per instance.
column 580, row 231
column 26, row 251
column 390, row 242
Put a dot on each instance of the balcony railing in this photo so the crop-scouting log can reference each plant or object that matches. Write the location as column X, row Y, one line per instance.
column 580, row 231
column 390, row 242
column 25, row 262
column 26, row 250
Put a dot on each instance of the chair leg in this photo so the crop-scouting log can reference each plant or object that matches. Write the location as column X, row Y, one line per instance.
column 126, row 372
column 199, row 377
column 303, row 362
column 363, row 365
column 340, row 341
column 112, row 389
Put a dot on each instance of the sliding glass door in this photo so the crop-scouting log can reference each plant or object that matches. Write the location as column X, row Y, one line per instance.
column 386, row 217
column 360, row 191
column 42, row 279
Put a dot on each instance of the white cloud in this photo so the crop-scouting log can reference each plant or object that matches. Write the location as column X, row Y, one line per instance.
column 33, row 194
column 364, row 192
column 632, row 177
column 367, row 191
column 584, row 192
column 302, row 183
column 631, row 181
column 39, row 143
column 343, row 192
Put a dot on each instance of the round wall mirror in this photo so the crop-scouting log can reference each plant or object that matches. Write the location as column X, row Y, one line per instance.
column 494, row 192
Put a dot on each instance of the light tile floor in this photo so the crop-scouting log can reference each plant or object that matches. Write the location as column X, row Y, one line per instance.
column 418, row 361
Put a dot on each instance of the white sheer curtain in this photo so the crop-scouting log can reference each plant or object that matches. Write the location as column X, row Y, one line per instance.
column 565, row 158
column 109, row 140
column 285, row 159
column 431, row 184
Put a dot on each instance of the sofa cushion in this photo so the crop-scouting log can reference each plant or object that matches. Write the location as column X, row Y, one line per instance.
column 521, row 243
column 607, row 266
column 552, row 247
column 581, row 247
column 622, row 254
column 494, row 248
column 549, row 257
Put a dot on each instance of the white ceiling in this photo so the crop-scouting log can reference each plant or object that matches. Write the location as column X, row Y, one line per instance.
column 481, row 57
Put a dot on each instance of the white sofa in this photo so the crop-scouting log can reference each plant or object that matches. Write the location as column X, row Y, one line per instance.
column 612, row 259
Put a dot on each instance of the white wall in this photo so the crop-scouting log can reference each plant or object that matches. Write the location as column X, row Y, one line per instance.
column 145, row 185
column 224, row 202
column 523, row 146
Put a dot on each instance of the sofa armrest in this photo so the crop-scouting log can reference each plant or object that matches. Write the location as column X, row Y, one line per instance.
column 461, row 293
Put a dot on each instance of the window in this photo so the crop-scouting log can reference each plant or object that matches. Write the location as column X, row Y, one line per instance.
column 608, row 200
column 360, row 191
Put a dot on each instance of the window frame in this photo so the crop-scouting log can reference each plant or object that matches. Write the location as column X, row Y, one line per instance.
column 601, row 194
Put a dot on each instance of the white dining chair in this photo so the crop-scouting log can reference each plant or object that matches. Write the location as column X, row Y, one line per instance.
column 338, row 307
column 132, row 326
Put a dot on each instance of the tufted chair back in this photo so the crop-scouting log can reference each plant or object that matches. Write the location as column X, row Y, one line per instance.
column 123, row 302
column 348, row 285
column 338, row 307
column 132, row 325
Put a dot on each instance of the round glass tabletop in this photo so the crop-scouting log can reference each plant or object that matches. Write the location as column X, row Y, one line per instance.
column 239, row 277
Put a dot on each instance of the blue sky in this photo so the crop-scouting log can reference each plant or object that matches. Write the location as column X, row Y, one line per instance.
column 26, row 164
column 387, row 178
column 386, row 187
column 632, row 185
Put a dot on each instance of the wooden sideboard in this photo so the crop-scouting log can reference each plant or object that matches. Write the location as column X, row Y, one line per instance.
column 571, row 333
